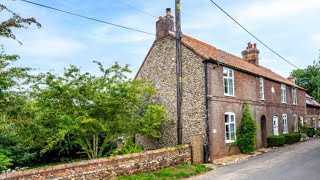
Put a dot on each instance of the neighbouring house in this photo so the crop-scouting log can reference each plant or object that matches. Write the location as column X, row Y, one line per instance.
column 313, row 112
column 215, row 86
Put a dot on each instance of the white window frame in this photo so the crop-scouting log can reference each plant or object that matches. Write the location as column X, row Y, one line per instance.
column 228, row 78
column 283, row 93
column 301, row 121
column 284, row 124
column 228, row 138
column 262, row 89
column 294, row 96
column 296, row 123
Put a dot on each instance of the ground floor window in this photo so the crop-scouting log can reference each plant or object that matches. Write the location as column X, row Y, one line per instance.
column 301, row 122
column 230, row 123
column 296, row 123
column 284, row 124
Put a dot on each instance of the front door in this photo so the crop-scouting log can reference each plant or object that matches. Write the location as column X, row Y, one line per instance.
column 275, row 126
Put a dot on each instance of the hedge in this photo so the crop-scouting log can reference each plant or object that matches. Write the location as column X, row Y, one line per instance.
column 292, row 138
column 317, row 132
column 310, row 132
column 275, row 141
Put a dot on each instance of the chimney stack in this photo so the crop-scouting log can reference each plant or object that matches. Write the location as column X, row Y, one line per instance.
column 292, row 79
column 251, row 54
column 164, row 24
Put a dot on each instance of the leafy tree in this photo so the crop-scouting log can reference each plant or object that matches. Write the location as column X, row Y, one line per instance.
column 16, row 21
column 246, row 139
column 309, row 78
column 94, row 110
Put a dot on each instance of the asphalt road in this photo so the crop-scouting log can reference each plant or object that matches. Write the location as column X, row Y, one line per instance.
column 300, row 161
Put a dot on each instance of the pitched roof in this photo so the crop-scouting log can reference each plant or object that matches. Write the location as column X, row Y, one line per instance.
column 207, row 51
column 310, row 101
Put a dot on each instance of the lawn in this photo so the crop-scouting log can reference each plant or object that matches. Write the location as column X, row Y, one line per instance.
column 174, row 172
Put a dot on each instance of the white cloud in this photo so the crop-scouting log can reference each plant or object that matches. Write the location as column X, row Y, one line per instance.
column 51, row 45
column 275, row 9
column 315, row 40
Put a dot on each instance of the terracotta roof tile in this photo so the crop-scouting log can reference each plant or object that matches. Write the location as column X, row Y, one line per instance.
column 208, row 51
column 311, row 101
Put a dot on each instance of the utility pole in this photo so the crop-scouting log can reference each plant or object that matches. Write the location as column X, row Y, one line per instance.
column 179, row 71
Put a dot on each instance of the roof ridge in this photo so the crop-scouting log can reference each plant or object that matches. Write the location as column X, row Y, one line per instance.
column 207, row 50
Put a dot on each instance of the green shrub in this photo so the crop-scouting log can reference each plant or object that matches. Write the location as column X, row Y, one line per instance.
column 310, row 132
column 275, row 141
column 4, row 162
column 292, row 138
column 246, row 137
column 317, row 133
column 128, row 148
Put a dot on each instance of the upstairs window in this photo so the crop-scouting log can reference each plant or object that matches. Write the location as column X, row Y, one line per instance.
column 230, row 124
column 283, row 93
column 261, row 89
column 294, row 96
column 284, row 124
column 228, row 81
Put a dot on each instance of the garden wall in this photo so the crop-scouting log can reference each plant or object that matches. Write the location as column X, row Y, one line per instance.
column 106, row 168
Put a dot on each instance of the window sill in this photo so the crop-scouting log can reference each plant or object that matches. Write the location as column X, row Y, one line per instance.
column 230, row 141
column 285, row 133
column 229, row 95
column 295, row 104
column 283, row 102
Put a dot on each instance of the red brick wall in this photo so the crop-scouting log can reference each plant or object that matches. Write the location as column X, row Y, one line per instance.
column 247, row 90
column 311, row 111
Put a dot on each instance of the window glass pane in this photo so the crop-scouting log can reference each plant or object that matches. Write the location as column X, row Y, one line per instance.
column 232, row 118
column 226, row 118
column 232, row 127
column 230, row 73
column 233, row 136
column 230, row 86
column 225, row 72
column 228, row 136
column 225, row 81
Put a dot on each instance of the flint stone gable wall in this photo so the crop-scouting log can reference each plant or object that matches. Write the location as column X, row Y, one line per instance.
column 159, row 67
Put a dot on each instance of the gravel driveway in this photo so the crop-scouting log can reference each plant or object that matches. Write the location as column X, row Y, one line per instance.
column 300, row 161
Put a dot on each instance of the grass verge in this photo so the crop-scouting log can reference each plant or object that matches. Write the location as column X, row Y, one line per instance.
column 174, row 172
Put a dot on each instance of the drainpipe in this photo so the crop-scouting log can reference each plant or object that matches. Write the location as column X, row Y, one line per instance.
column 206, row 145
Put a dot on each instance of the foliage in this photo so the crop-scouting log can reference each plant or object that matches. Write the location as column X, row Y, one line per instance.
column 4, row 162
column 276, row 141
column 174, row 172
column 129, row 147
column 317, row 133
column 292, row 138
column 309, row 78
column 246, row 137
column 93, row 110
column 16, row 21
column 310, row 131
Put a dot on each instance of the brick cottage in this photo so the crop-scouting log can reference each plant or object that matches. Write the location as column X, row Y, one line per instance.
column 215, row 86
column 313, row 112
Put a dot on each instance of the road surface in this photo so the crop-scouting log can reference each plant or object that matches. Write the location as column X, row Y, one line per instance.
column 300, row 161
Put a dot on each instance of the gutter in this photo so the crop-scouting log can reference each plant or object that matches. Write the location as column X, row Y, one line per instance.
column 206, row 146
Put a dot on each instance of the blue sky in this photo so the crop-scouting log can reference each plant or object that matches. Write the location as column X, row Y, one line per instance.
column 288, row 26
